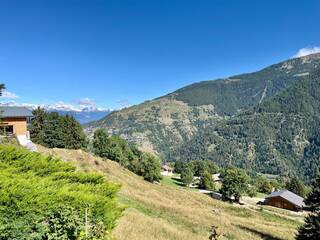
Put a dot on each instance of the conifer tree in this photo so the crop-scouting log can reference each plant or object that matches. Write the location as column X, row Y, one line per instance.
column 37, row 125
column 311, row 229
column 73, row 132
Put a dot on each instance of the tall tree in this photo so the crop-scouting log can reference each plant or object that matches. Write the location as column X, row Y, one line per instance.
column 150, row 168
column 311, row 229
column 187, row 176
column 235, row 183
column 74, row 135
column 100, row 143
column 37, row 125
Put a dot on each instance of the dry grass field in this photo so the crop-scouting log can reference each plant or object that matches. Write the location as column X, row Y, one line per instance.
column 162, row 212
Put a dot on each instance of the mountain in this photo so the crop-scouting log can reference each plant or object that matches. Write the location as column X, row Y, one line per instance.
column 85, row 116
column 82, row 114
column 279, row 136
column 228, row 111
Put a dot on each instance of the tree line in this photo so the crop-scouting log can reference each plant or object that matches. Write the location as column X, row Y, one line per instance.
column 235, row 182
column 56, row 131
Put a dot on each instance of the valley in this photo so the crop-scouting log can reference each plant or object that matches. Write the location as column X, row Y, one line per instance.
column 263, row 121
column 159, row 212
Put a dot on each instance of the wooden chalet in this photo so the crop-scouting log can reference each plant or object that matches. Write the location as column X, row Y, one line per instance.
column 286, row 200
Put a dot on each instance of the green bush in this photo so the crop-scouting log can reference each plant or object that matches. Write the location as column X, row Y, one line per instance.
column 44, row 198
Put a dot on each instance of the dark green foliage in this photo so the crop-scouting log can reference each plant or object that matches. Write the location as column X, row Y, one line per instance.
column 150, row 168
column 100, row 143
column 118, row 149
column 52, row 130
column 252, row 191
column 234, row 184
column 262, row 184
column 199, row 167
column 246, row 90
column 179, row 166
column 44, row 198
column 295, row 185
column 311, row 229
column 280, row 136
column 313, row 199
column 206, row 181
column 187, row 176
column 2, row 87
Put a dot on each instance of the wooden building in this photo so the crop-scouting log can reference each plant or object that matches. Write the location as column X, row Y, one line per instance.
column 286, row 200
column 166, row 170
column 14, row 121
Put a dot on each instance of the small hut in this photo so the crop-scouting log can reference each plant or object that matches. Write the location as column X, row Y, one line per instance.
column 286, row 200
column 166, row 170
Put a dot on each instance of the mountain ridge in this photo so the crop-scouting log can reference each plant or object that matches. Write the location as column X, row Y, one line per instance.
column 163, row 124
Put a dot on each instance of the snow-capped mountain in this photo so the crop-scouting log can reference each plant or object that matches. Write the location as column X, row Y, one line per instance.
column 81, row 113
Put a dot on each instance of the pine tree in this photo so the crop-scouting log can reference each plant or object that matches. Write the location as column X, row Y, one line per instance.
column 37, row 125
column 73, row 132
column 311, row 229
column 54, row 133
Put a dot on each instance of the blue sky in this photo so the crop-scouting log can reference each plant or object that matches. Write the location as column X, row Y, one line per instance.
column 117, row 52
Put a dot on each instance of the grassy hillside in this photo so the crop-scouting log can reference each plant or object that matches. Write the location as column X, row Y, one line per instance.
column 162, row 212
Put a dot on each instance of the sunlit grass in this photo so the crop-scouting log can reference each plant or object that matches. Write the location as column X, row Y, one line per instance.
column 167, row 211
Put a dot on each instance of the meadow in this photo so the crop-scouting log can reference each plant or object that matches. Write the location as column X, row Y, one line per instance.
column 168, row 211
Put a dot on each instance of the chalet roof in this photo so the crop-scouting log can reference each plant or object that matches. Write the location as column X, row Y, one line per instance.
column 15, row 112
column 289, row 196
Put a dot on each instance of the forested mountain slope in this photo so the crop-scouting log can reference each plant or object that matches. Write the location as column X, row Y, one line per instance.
column 220, row 110
column 276, row 137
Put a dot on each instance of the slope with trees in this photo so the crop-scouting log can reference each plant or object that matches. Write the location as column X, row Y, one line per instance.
column 280, row 136
column 164, row 123
column 128, row 156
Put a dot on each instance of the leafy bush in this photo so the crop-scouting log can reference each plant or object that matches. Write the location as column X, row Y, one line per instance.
column 187, row 176
column 206, row 181
column 44, row 198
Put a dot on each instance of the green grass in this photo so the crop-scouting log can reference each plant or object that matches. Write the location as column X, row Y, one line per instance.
column 168, row 212
column 172, row 181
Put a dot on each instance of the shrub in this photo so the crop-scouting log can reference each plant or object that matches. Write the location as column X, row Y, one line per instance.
column 44, row 198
